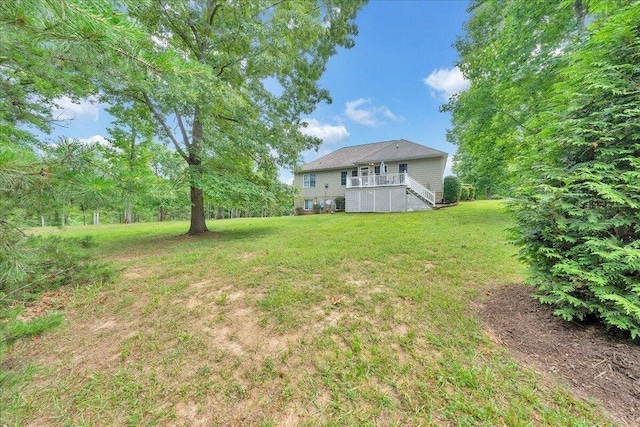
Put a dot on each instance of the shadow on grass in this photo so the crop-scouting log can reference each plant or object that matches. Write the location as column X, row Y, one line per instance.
column 153, row 242
column 244, row 234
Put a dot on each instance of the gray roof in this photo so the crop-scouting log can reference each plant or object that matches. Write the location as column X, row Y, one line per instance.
column 385, row 151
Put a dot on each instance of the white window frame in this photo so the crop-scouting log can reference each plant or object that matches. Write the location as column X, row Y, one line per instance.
column 406, row 168
column 309, row 180
column 344, row 175
column 308, row 204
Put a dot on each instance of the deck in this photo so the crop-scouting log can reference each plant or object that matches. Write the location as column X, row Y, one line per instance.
column 393, row 180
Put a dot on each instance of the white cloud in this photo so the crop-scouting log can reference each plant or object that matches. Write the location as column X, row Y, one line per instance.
column 362, row 111
column 65, row 108
column 388, row 114
column 95, row 140
column 327, row 133
column 446, row 82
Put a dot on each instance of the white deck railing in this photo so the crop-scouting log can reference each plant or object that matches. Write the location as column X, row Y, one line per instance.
column 377, row 180
column 391, row 179
column 420, row 190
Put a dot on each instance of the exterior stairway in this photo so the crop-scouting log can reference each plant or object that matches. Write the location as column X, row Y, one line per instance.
column 420, row 191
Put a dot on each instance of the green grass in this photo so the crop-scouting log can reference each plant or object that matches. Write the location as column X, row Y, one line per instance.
column 313, row 320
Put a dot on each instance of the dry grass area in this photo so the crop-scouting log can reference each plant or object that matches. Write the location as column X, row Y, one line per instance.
column 314, row 320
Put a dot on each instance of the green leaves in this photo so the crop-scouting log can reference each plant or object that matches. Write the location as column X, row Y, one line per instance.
column 511, row 53
column 553, row 115
column 577, row 219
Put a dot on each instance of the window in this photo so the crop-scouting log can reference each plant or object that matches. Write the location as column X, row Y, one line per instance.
column 403, row 167
column 354, row 172
column 308, row 204
column 343, row 177
column 376, row 169
column 364, row 170
column 309, row 180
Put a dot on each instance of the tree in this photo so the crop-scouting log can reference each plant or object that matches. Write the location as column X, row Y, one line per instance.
column 201, row 69
column 227, row 119
column 129, row 153
column 511, row 53
column 169, row 190
column 578, row 217
column 50, row 49
column 553, row 108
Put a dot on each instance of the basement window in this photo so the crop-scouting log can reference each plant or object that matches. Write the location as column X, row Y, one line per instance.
column 308, row 204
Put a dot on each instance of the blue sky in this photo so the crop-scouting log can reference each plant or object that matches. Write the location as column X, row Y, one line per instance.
column 392, row 83
column 389, row 86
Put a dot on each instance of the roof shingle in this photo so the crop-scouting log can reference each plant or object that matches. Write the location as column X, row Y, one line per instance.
column 348, row 157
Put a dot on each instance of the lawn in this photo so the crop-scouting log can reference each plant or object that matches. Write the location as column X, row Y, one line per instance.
column 359, row 319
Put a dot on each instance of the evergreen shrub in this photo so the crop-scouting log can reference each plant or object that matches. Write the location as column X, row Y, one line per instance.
column 472, row 192
column 579, row 220
column 464, row 193
column 452, row 187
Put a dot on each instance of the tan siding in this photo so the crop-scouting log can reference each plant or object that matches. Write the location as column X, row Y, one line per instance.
column 427, row 172
column 318, row 193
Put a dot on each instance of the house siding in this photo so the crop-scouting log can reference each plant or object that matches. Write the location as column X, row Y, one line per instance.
column 331, row 177
column 428, row 172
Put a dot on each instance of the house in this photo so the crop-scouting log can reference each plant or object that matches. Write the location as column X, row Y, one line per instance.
column 388, row 176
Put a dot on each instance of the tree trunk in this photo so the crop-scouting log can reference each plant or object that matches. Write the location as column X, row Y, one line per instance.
column 96, row 218
column 198, row 223
column 580, row 10
column 42, row 220
column 488, row 193
column 127, row 213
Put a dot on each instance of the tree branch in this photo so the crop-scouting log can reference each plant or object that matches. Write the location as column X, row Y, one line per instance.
column 220, row 116
column 147, row 101
column 185, row 136
column 260, row 52
column 213, row 14
column 178, row 31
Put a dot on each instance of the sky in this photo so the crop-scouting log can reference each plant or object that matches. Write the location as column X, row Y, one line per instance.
column 390, row 85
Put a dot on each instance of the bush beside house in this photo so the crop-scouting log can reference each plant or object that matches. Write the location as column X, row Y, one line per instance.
column 451, row 190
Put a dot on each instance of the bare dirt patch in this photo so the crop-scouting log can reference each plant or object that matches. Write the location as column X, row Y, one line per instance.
column 49, row 301
column 594, row 364
column 246, row 256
